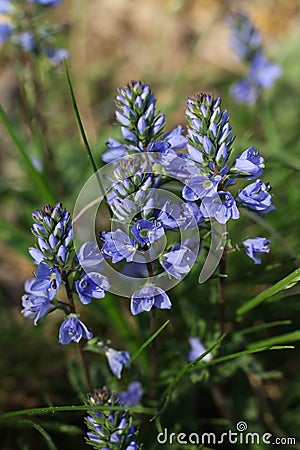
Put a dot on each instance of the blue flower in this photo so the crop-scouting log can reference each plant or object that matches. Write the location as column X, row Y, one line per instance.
column 72, row 329
column 147, row 297
column 115, row 151
column 256, row 196
column 243, row 91
column 117, row 245
column 178, row 261
column 36, row 304
column 46, row 2
column 133, row 394
column 221, row 206
column 147, row 232
column 256, row 246
column 25, row 40
column 109, row 429
column 117, row 360
column 200, row 186
column 89, row 255
column 246, row 40
column 197, row 349
column 5, row 30
column 57, row 55
column 91, row 285
column 249, row 164
column 5, row 6
column 48, row 279
column 264, row 72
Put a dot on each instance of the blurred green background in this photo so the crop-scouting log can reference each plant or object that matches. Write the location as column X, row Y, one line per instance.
column 179, row 47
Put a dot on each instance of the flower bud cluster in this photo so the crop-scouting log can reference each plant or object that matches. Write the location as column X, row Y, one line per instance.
column 53, row 230
column 109, row 429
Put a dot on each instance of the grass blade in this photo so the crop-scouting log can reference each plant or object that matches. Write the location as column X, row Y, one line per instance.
column 286, row 283
column 38, row 179
column 148, row 342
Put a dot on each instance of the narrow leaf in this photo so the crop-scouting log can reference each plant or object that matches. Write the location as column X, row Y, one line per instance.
column 275, row 340
column 286, row 283
column 148, row 342
column 38, row 179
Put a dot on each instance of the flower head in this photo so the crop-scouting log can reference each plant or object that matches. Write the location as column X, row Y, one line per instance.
column 48, row 279
column 256, row 196
column 147, row 297
column 256, row 246
column 249, row 164
column 117, row 245
column 53, row 230
column 221, row 206
column 209, row 132
column 178, row 261
column 132, row 396
column 109, row 429
column 36, row 304
column 197, row 349
column 117, row 360
column 72, row 329
column 91, row 285
column 247, row 44
column 146, row 231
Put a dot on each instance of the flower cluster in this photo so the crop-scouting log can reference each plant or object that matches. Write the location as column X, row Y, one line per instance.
column 22, row 27
column 109, row 429
column 246, row 42
column 210, row 145
column 59, row 266
column 202, row 162
column 141, row 126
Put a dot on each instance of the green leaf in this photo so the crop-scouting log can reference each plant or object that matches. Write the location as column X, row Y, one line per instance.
column 148, row 342
column 55, row 409
column 262, row 326
column 198, row 364
column 40, row 182
column 42, row 431
column 282, row 339
column 286, row 283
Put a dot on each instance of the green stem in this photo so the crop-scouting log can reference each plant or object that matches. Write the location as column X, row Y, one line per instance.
column 38, row 179
column 80, row 344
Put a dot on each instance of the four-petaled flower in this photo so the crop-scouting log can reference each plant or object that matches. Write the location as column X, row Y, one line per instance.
column 256, row 196
column 72, row 329
column 178, row 261
column 48, row 278
column 147, row 297
column 222, row 207
column 36, row 304
column 117, row 360
column 249, row 163
column 147, row 232
column 91, row 285
column 117, row 245
column 256, row 246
